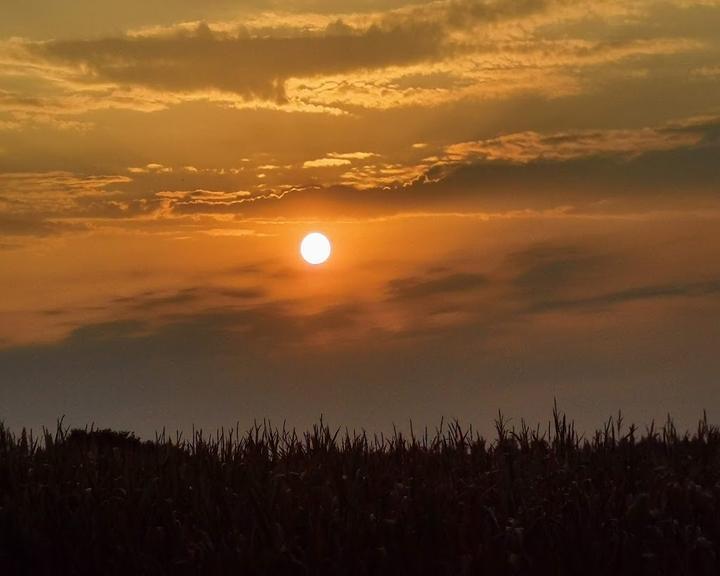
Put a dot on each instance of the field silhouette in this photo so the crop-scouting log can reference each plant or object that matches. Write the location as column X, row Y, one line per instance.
column 538, row 500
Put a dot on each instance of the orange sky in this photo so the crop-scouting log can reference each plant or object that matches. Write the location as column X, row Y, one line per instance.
column 522, row 199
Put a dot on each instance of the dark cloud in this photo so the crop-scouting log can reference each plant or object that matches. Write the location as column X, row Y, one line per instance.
column 203, row 368
column 214, row 367
column 640, row 293
column 256, row 63
column 659, row 19
column 462, row 12
column 548, row 277
column 53, row 312
column 336, row 318
column 113, row 331
column 151, row 300
column 46, row 18
column 154, row 300
column 35, row 225
column 246, row 269
column 204, row 328
column 594, row 181
column 547, row 268
column 250, row 66
column 241, row 293
column 628, row 184
column 267, row 269
column 423, row 287
column 674, row 180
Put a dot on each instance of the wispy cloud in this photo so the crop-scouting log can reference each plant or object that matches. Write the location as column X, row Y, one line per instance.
column 636, row 294
column 326, row 163
column 530, row 146
column 423, row 287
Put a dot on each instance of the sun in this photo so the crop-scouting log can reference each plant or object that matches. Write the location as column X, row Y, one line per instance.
column 315, row 248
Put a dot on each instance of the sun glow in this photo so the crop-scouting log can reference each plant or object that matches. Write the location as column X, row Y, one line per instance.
column 315, row 248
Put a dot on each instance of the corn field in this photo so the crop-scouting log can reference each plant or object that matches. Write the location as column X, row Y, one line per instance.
column 330, row 501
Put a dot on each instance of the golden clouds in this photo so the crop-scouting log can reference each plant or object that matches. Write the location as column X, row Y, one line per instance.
column 152, row 74
column 508, row 184
column 576, row 170
column 530, row 146
column 57, row 193
column 198, row 61
column 151, row 167
column 417, row 105
column 326, row 163
column 335, row 159
column 421, row 55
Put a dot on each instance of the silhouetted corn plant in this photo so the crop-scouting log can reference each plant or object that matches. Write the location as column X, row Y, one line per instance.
column 331, row 501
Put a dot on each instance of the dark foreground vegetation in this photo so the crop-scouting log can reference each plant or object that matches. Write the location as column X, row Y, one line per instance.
column 268, row 501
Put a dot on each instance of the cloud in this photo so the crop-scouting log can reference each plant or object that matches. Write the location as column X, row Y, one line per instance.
column 188, row 58
column 226, row 318
column 384, row 175
column 31, row 196
column 556, row 277
column 326, row 163
column 570, row 172
column 235, row 232
column 42, row 182
column 526, row 147
column 336, row 159
column 151, row 167
column 636, row 294
column 187, row 298
column 198, row 60
column 488, row 69
column 206, row 197
column 550, row 268
column 353, row 155
column 425, row 55
column 154, row 301
column 423, row 287
column 16, row 225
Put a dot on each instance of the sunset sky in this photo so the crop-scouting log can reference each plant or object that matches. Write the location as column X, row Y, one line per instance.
column 523, row 198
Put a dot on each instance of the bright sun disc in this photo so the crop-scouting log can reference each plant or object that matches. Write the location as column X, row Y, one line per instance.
column 315, row 248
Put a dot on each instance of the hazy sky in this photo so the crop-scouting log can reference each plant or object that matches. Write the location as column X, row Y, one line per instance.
column 523, row 198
